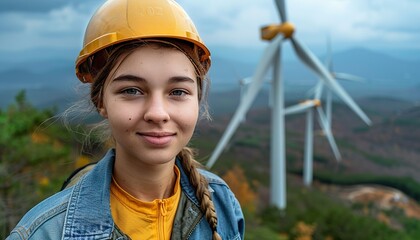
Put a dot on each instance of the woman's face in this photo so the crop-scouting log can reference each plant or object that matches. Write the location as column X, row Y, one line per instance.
column 151, row 102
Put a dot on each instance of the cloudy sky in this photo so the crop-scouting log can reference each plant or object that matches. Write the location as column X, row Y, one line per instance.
column 54, row 28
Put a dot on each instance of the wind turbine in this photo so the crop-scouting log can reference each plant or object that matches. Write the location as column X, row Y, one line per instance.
column 309, row 106
column 324, row 118
column 276, row 34
column 336, row 75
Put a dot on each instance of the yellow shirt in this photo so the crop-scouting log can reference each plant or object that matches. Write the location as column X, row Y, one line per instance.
column 144, row 220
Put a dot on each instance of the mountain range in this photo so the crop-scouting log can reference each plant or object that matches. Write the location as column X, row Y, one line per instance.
column 53, row 83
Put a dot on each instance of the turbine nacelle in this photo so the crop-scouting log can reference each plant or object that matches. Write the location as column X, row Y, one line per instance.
column 313, row 102
column 270, row 31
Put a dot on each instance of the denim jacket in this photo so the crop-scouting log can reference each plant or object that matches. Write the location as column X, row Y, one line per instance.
column 82, row 211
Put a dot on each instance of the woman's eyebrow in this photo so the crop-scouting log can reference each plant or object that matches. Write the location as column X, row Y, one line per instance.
column 129, row 77
column 176, row 79
column 133, row 78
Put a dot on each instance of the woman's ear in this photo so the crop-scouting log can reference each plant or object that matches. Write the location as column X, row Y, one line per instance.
column 102, row 111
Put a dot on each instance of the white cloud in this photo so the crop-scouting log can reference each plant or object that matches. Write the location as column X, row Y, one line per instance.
column 237, row 23
column 376, row 22
column 60, row 28
column 383, row 23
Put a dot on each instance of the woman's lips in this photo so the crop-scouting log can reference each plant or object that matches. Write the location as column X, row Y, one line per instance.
column 157, row 138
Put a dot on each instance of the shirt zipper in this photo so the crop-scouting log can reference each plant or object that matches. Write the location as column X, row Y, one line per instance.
column 161, row 219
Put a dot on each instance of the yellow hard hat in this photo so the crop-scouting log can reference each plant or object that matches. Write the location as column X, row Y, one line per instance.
column 118, row 21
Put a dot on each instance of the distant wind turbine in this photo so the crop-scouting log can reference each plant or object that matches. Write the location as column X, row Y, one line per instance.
column 309, row 106
column 277, row 34
column 324, row 118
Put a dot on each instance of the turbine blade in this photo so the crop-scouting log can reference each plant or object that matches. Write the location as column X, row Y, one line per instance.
column 242, row 92
column 313, row 63
column 315, row 91
column 300, row 107
column 245, row 81
column 245, row 104
column 311, row 92
column 281, row 7
column 328, row 61
column 327, row 130
column 318, row 90
column 348, row 77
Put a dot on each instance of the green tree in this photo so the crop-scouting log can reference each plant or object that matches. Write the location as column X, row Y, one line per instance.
column 26, row 151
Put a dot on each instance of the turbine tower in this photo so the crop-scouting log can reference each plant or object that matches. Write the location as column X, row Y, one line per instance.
column 277, row 34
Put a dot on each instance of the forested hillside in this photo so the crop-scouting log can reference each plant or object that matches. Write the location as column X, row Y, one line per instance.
column 373, row 193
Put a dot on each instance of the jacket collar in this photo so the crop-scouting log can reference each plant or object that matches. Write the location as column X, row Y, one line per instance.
column 186, row 186
column 90, row 201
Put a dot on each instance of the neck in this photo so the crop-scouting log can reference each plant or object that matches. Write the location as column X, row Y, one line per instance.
column 145, row 182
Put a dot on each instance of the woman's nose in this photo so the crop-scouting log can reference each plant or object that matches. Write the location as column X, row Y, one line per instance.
column 156, row 110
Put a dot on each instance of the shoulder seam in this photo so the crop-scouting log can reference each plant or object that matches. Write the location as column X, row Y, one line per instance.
column 45, row 217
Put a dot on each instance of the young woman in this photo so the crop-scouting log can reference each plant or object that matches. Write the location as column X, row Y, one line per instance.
column 147, row 68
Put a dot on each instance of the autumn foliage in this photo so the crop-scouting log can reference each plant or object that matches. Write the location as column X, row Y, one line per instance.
column 237, row 181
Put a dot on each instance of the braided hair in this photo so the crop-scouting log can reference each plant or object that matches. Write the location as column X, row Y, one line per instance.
column 202, row 192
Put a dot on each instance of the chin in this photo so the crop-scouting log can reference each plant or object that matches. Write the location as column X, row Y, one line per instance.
column 156, row 159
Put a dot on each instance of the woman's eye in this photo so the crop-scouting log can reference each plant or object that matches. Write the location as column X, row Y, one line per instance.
column 131, row 91
column 178, row 92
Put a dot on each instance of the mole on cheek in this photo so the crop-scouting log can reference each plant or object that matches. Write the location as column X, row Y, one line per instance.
column 129, row 119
